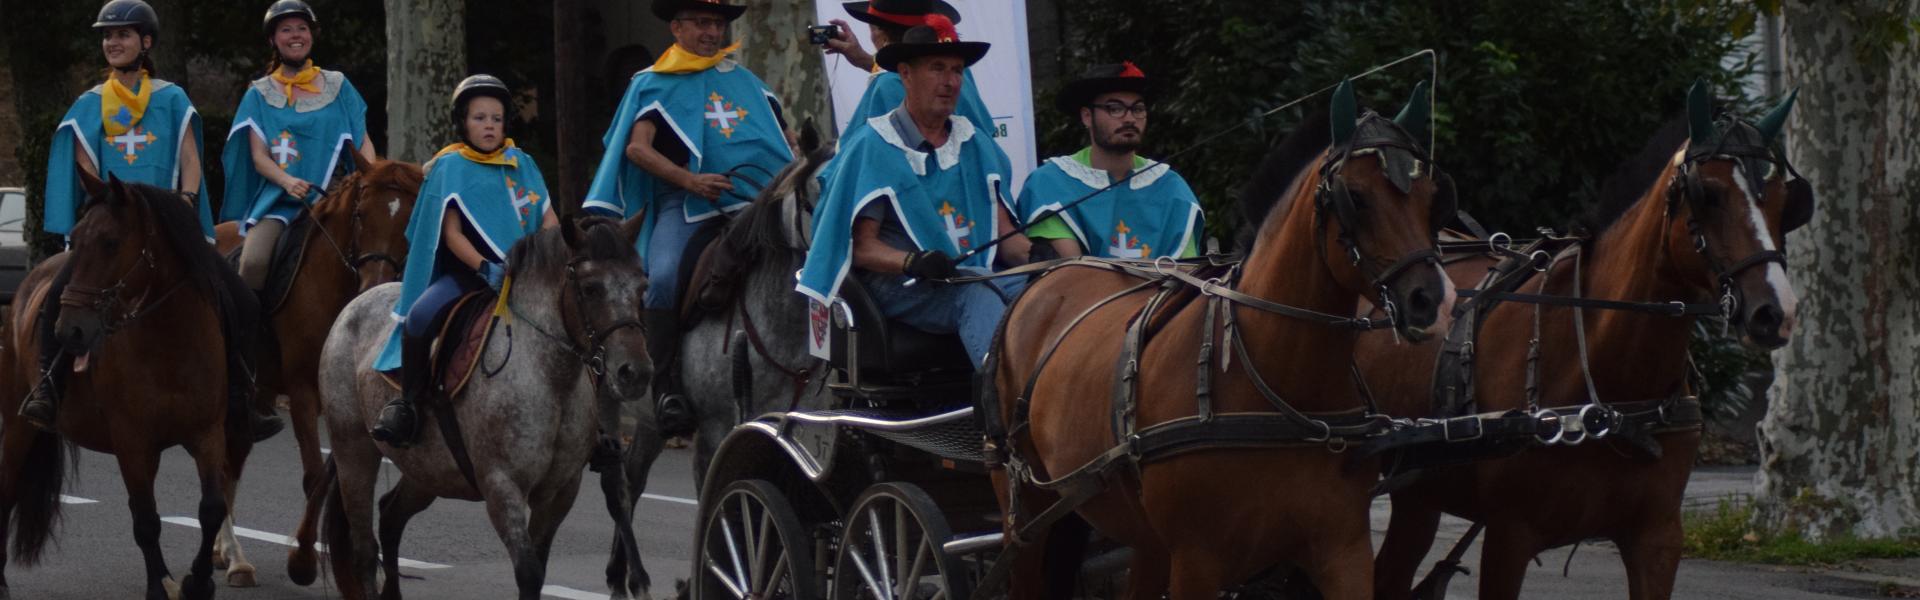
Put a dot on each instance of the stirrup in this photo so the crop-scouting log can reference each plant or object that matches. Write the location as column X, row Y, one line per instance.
column 397, row 425
column 39, row 411
column 674, row 415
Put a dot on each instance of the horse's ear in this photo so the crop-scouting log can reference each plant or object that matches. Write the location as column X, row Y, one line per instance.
column 95, row 188
column 570, row 230
column 1800, row 205
column 1343, row 112
column 630, row 228
column 1417, row 116
column 1699, row 113
column 360, row 162
column 116, row 189
column 809, row 137
column 1771, row 124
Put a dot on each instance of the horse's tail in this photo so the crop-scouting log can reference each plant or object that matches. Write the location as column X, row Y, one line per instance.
column 36, row 515
column 336, row 531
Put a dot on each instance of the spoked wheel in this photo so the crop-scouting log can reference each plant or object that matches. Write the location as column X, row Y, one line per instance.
column 891, row 549
column 753, row 546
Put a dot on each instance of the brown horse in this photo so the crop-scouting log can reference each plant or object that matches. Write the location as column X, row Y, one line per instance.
column 358, row 242
column 148, row 309
column 1697, row 218
column 1354, row 220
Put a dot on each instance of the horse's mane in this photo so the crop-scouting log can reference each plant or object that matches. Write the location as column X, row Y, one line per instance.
column 179, row 227
column 390, row 172
column 545, row 251
column 1277, row 171
column 760, row 228
column 1629, row 182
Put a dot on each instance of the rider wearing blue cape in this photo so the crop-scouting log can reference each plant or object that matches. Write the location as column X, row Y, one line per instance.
column 289, row 136
column 1152, row 214
column 931, row 188
column 689, row 131
column 480, row 197
column 135, row 128
column 887, row 22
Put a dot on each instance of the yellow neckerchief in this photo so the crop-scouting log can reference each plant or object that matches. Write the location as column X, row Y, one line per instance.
column 678, row 60
column 303, row 80
column 118, row 100
column 497, row 157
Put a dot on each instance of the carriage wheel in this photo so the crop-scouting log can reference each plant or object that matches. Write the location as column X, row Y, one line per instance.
column 891, row 549
column 753, row 546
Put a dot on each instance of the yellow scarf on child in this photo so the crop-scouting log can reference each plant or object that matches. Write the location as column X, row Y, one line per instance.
column 121, row 108
column 496, row 157
column 303, row 80
column 678, row 60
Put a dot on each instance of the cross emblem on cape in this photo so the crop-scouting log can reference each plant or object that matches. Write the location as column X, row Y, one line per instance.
column 958, row 228
column 1125, row 247
column 283, row 150
column 522, row 203
column 132, row 142
column 722, row 115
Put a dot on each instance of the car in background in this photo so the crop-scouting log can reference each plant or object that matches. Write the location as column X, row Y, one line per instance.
column 13, row 241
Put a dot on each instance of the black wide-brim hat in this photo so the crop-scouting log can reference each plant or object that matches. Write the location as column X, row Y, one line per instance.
column 666, row 9
column 938, row 39
column 900, row 13
column 1105, row 79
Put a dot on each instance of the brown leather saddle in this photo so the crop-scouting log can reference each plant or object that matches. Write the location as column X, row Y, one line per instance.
column 288, row 251
column 458, row 345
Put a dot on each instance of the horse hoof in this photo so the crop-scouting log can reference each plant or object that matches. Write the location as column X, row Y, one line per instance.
column 301, row 566
column 197, row 588
column 219, row 560
column 173, row 589
column 241, row 576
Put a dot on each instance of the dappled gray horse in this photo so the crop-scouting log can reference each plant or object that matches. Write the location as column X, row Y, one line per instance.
column 529, row 427
column 770, row 240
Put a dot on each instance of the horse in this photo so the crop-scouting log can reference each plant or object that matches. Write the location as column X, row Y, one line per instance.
column 144, row 284
column 1699, row 216
column 359, row 242
column 760, row 328
column 568, row 351
column 1356, row 218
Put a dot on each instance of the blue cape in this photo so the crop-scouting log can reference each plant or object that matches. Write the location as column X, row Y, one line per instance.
column 307, row 138
column 885, row 92
column 946, row 200
column 148, row 153
column 725, row 116
column 1152, row 215
column 503, row 203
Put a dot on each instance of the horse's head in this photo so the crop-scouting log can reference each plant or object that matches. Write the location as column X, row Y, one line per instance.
column 600, row 298
column 781, row 217
column 1731, row 199
column 113, row 263
column 380, row 196
column 1379, row 203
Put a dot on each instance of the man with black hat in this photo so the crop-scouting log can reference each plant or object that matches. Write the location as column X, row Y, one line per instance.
column 928, row 197
column 684, row 125
column 1150, row 215
column 887, row 21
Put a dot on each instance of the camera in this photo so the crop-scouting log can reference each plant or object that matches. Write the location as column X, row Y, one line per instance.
column 818, row 35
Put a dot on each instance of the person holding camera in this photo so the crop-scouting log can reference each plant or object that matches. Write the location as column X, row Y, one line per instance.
column 887, row 22
column 686, row 127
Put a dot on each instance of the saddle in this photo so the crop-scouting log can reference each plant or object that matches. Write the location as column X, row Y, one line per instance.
column 458, row 344
column 713, row 266
column 288, row 251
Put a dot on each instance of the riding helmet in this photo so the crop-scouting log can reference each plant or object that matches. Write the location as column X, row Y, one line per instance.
column 289, row 8
column 129, row 13
column 479, row 85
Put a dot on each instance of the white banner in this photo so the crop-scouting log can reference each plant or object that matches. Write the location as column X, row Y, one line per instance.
column 1004, row 76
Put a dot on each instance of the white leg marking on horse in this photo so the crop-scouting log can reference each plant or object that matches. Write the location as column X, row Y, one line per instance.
column 570, row 593
column 289, row 542
column 1776, row 274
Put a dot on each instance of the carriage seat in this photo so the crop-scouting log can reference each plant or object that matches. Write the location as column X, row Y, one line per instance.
column 884, row 346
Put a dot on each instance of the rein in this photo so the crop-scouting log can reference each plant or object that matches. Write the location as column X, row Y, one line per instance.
column 350, row 257
column 593, row 353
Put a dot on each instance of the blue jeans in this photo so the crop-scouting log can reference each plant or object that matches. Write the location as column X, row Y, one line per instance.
column 972, row 310
column 433, row 303
column 666, row 247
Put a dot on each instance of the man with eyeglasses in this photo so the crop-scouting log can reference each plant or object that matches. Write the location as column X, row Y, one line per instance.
column 691, row 135
column 1151, row 214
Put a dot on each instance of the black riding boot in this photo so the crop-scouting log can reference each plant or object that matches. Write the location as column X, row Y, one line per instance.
column 40, row 409
column 671, row 410
column 399, row 425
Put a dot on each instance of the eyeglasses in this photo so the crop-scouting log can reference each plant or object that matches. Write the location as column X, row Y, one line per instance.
column 1117, row 110
column 705, row 22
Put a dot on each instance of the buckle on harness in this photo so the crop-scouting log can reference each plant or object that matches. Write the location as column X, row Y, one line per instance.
column 1477, row 429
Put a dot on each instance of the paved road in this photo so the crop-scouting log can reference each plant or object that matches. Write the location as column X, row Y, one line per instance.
column 459, row 556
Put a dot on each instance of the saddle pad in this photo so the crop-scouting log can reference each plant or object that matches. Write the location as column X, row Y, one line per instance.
column 458, row 347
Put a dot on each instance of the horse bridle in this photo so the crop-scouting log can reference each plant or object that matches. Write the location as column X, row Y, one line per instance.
column 1686, row 186
column 351, row 257
column 593, row 353
column 115, row 311
column 1332, row 196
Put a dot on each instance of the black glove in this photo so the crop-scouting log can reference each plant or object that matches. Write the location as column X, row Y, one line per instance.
column 1042, row 251
column 928, row 264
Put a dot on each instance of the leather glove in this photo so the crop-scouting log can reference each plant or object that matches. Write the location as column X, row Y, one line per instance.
column 929, row 264
column 494, row 274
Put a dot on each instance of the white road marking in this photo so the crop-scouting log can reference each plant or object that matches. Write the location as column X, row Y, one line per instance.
column 287, row 541
column 570, row 593
column 65, row 499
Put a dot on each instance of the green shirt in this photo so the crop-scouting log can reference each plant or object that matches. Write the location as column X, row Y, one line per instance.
column 1056, row 229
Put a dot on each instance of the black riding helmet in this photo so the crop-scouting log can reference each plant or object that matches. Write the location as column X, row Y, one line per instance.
column 478, row 85
column 288, row 8
column 130, row 13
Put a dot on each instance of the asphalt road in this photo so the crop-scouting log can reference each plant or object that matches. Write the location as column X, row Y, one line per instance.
column 457, row 553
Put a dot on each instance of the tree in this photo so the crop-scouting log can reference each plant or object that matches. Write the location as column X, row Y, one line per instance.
column 775, row 48
column 426, row 57
column 1841, row 440
column 575, row 132
column 46, row 42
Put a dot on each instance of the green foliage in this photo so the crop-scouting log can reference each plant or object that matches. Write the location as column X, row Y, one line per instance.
column 1724, row 364
column 1727, row 533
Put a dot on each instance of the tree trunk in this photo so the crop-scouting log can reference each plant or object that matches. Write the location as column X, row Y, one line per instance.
column 776, row 49
column 426, row 57
column 41, row 59
column 574, row 127
column 1839, row 444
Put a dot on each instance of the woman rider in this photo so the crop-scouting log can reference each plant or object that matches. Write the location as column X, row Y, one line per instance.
column 134, row 127
column 500, row 197
column 298, row 121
